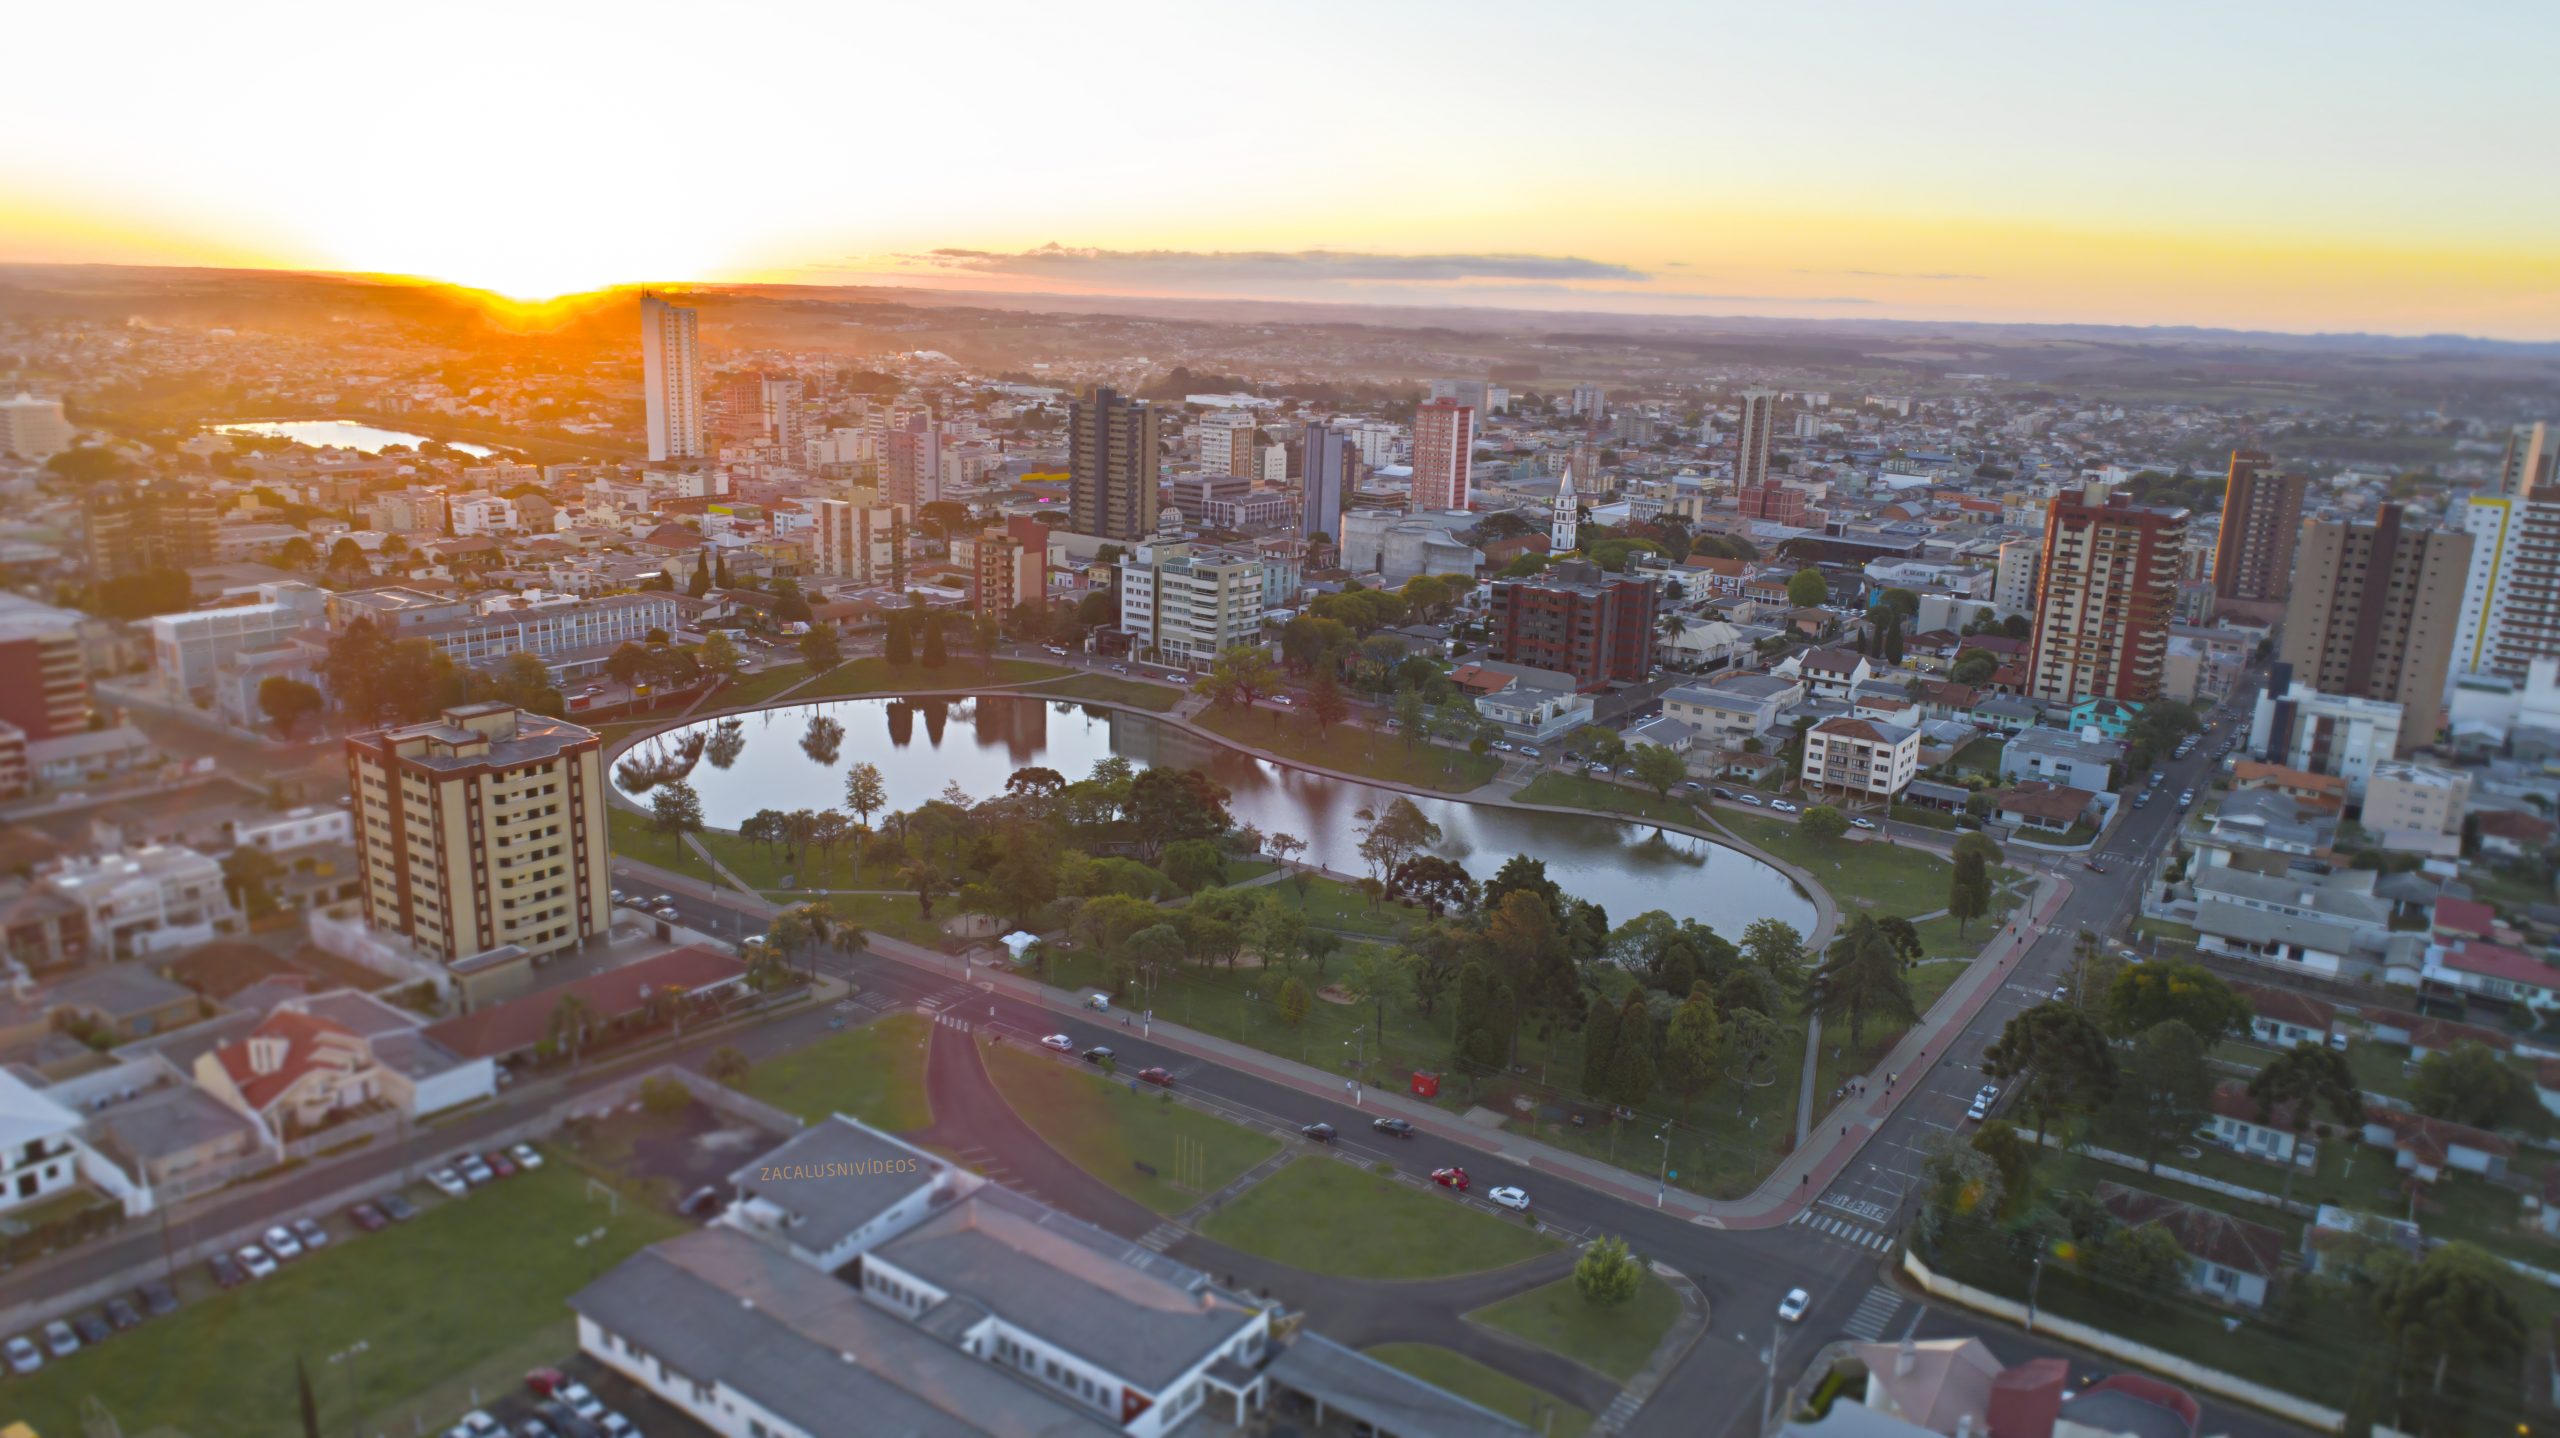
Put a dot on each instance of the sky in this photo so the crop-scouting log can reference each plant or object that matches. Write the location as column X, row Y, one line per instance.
column 2345, row 166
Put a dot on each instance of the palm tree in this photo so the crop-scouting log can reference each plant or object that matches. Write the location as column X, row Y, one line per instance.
column 803, row 929
column 2314, row 1074
column 571, row 1018
column 923, row 876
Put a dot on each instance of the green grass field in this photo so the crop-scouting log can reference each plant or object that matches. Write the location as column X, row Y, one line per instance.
column 1107, row 1130
column 469, row 1286
column 1329, row 1217
column 1111, row 689
column 633, row 837
column 1579, row 791
column 874, row 1073
column 1330, row 903
column 891, row 914
column 1352, row 749
column 1861, row 874
column 1615, row 1340
column 759, row 688
column 878, row 676
column 1478, row 1384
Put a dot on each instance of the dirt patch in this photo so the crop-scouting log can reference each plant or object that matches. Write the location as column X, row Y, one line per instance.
column 1337, row 994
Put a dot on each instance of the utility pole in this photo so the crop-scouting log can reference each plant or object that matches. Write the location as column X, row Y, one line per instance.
column 1662, row 1182
column 2035, row 1280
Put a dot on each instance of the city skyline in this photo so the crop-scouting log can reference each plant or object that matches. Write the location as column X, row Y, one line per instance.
column 2302, row 172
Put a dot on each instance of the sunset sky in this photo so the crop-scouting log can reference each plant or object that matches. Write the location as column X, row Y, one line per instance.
column 2339, row 166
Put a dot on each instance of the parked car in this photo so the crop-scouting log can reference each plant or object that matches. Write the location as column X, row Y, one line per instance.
column 533, row 1427
column 1156, row 1076
column 2186, row 799
column 1392, row 1127
column 500, row 1164
column 580, row 1400
column 1450, row 1178
column 475, row 1170
column 526, row 1156
column 311, row 1233
column 227, row 1272
column 255, row 1262
column 396, row 1208
column 543, row 1382
column 1721, row 792
column 281, row 1242
column 122, row 1316
column 368, row 1218
column 59, row 1340
column 1530, row 751
column 1097, row 1054
column 662, row 901
column 159, row 1300
column 1515, row 1199
column 1753, row 800
column 476, row 1424
column 1862, row 823
column 1791, row 1308
column 2142, row 798
column 617, row 1426
column 93, row 1328
column 1060, row 1042
column 1783, row 807
column 24, row 1356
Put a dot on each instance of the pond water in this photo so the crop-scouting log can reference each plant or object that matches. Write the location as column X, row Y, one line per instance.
column 342, row 434
column 923, row 745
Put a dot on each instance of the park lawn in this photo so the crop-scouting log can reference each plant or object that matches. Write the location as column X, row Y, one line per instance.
column 878, row 676
column 1861, row 874
column 1329, row 903
column 891, row 914
column 634, row 837
column 1325, row 1216
column 1111, row 689
column 875, row 1073
column 1352, row 749
column 1580, row 791
column 1615, row 1340
column 762, row 687
column 1108, row 1130
column 1486, row 1387
column 467, row 1284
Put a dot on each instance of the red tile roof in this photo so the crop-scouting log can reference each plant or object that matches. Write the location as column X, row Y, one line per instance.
column 2209, row 1234
column 2465, row 916
column 2231, row 1100
column 2287, row 1006
column 2434, row 1034
column 306, row 1037
column 520, row 1023
column 2497, row 961
column 2429, row 1140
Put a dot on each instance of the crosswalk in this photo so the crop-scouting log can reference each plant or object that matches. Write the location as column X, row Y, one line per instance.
column 1620, row 1412
column 1161, row 1237
column 1843, row 1230
column 945, row 998
column 1874, row 1314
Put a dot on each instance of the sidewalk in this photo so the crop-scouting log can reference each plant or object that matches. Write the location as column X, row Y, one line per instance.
column 1798, row 1180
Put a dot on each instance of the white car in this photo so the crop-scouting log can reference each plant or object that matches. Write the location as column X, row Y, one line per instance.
column 1511, row 1198
column 1982, row 1103
column 617, row 1426
column 1752, row 799
column 24, row 1356
column 1782, row 806
column 668, row 913
column 1791, row 1308
column 1060, row 1042
column 580, row 1399
column 475, row 1170
column 476, row 1424
column 313, row 1236
column 1862, row 823
column 1530, row 750
column 281, row 1242
column 526, row 1156
column 255, row 1260
column 59, row 1338
column 448, row 1183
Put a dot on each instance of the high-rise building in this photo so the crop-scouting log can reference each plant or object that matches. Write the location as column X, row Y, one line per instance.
column 671, row 380
column 154, row 524
column 2373, row 613
column 1227, row 445
column 1590, row 403
column 2531, row 463
column 2107, row 594
column 911, row 461
column 1187, row 602
column 2014, row 590
column 1444, row 448
column 44, row 679
column 1475, row 394
column 996, row 572
column 863, row 540
column 2511, row 591
column 33, row 428
column 2261, row 524
column 1112, row 448
column 1751, row 437
column 737, row 408
column 481, row 829
column 1324, row 478
column 1576, row 620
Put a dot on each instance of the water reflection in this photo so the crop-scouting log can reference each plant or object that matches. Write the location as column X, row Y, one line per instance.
column 1627, row 868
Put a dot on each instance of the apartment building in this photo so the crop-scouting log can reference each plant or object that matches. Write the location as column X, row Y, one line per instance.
column 144, row 900
column 32, row 428
column 1757, row 421
column 481, row 830
column 2108, row 592
column 2373, row 613
column 2511, row 589
column 1860, row 757
column 2416, row 808
column 863, row 541
column 1113, row 444
column 188, row 650
column 1578, row 621
column 1187, row 602
column 2253, row 551
column 2344, row 735
column 671, row 380
column 44, row 679
column 1444, row 447
column 1228, row 445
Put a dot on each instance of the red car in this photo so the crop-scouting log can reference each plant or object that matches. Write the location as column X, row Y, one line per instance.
column 543, row 1381
column 500, row 1164
column 1157, row 1076
column 1450, row 1178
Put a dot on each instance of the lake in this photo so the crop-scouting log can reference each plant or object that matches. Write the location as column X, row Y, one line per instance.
column 340, row 434
column 921, row 746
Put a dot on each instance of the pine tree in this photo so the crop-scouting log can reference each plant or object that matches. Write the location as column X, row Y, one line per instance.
column 1631, row 1066
column 1599, row 1046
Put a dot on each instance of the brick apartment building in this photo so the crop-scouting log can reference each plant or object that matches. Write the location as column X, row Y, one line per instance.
column 1576, row 620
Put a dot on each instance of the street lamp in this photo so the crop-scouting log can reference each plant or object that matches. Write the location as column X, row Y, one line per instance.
column 355, row 1409
column 1662, row 1183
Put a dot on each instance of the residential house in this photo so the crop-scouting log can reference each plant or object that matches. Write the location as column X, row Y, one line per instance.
column 2078, row 759
column 2263, row 832
column 2240, row 1125
column 695, row 976
column 1828, row 673
column 2493, row 971
column 295, row 1074
column 147, row 899
column 2039, row 807
column 2315, row 793
column 123, row 1002
column 1862, row 757
column 40, row 1149
column 2511, row 833
column 2283, row 1018
column 1729, row 711
column 2427, row 1148
column 2002, row 713
column 1536, row 706
column 2229, row 1260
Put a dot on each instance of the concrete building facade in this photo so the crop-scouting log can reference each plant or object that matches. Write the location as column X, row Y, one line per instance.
column 2373, row 613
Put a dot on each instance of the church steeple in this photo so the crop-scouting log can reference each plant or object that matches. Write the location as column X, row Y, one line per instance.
column 1566, row 520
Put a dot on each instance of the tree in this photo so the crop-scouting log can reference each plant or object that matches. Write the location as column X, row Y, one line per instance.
column 2453, row 1308
column 1807, row 588
column 1968, row 887
column 572, row 1019
column 1607, row 1275
column 1194, row 864
column 2060, row 1058
column 676, row 810
column 1659, row 766
column 864, row 791
column 2469, row 1083
column 899, row 646
column 2163, row 1090
column 1751, row 1040
column 1412, row 717
column 926, row 879
column 2311, row 1076
column 984, row 631
column 1822, row 823
column 1599, row 1045
column 249, row 875
column 2145, row 1259
column 1378, row 976
column 819, row 648
column 2143, row 996
column 1437, row 884
column 310, row 1405
column 936, row 652
column 1483, row 1021
column 1390, row 835
column 287, row 702
column 718, row 655
column 1974, row 666
column 1167, row 806
column 1690, row 1044
column 1862, row 974
column 1294, row 1002
column 1773, row 947
column 1325, row 703
column 1244, row 671
column 1631, row 1072
column 728, row 1064
column 1893, row 638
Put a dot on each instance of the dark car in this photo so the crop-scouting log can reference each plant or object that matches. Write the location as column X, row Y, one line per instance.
column 1097, row 1054
column 92, row 1329
column 1392, row 1127
column 396, row 1208
column 1721, row 793
column 122, row 1316
column 368, row 1218
column 158, row 1299
column 499, row 1164
column 227, row 1272
column 1157, row 1077
column 2093, row 866
column 1318, row 1132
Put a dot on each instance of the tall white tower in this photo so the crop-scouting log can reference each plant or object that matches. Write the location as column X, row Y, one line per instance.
column 1566, row 520
column 671, row 380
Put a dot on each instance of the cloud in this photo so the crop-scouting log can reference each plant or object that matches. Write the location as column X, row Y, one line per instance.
column 1894, row 275
column 1228, row 268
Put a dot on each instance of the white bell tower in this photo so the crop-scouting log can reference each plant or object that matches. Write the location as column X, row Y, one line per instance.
column 1567, row 517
